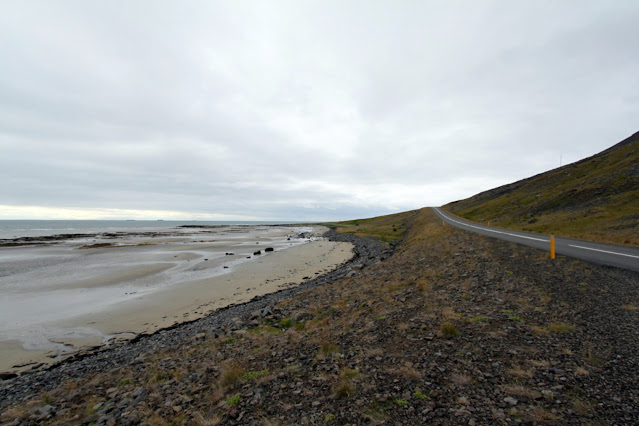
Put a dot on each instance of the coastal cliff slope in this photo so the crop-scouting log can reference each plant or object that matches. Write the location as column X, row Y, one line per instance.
column 595, row 199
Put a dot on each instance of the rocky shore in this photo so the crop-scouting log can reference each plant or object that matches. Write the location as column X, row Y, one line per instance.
column 224, row 321
column 450, row 328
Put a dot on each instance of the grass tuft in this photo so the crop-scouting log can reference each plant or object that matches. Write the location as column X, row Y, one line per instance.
column 231, row 375
column 410, row 373
column 124, row 382
column 252, row 375
column 233, row 400
column 344, row 389
column 329, row 418
column 401, row 402
column 328, row 349
column 286, row 322
column 560, row 328
column 349, row 373
column 448, row 329
column 539, row 331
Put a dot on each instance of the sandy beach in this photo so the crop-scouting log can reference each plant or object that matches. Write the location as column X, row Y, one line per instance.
column 71, row 295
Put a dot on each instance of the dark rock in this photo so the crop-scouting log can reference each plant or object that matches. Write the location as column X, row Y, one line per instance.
column 45, row 412
column 257, row 252
column 268, row 249
column 303, row 316
column 7, row 376
column 510, row 400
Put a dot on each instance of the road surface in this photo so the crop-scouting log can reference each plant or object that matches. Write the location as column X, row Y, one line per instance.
column 604, row 254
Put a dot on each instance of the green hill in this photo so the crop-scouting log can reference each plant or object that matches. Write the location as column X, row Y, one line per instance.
column 389, row 228
column 595, row 199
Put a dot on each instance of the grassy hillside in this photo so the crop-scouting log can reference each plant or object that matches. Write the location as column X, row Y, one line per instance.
column 387, row 228
column 595, row 199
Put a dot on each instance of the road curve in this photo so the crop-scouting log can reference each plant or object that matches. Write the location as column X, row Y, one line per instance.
column 604, row 254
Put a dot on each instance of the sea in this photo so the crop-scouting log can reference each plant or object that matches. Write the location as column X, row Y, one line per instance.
column 10, row 229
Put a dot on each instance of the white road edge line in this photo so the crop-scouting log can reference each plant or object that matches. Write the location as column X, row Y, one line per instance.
column 604, row 251
column 491, row 230
column 531, row 238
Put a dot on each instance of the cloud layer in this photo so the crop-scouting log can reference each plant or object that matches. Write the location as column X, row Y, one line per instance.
column 293, row 110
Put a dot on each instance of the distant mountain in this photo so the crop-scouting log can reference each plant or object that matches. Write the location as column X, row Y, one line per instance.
column 595, row 199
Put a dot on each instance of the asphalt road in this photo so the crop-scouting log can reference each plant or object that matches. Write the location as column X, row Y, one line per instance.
column 604, row 254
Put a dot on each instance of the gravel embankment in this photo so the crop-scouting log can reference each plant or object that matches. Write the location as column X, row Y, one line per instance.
column 365, row 252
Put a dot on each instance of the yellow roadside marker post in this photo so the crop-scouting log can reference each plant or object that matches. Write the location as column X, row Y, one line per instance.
column 552, row 246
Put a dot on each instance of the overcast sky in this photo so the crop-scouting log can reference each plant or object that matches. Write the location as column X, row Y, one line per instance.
column 298, row 110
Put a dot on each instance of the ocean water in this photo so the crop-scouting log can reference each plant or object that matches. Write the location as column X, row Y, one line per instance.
column 40, row 228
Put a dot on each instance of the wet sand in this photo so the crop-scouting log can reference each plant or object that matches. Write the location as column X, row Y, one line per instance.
column 84, row 297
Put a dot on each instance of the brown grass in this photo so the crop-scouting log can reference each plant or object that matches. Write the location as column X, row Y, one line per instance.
column 519, row 372
column 449, row 313
column 344, row 389
column 14, row 413
column 580, row 371
column 327, row 349
column 560, row 327
column 448, row 329
column 539, row 331
column 461, row 379
column 375, row 352
column 582, row 407
column 409, row 373
column 403, row 326
column 200, row 420
column 542, row 415
column 540, row 363
column 349, row 373
column 521, row 392
column 231, row 374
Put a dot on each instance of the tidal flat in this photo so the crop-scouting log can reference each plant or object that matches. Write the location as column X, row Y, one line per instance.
column 62, row 296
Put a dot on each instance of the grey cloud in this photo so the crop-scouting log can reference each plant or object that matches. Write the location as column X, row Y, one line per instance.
column 304, row 110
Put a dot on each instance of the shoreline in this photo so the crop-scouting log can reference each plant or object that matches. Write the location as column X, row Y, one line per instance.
column 195, row 286
column 14, row 387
